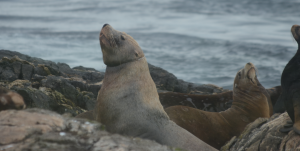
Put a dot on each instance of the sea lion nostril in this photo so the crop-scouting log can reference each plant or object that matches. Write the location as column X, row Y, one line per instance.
column 104, row 25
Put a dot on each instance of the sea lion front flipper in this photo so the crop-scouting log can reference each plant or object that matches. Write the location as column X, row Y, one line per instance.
column 287, row 127
column 285, row 130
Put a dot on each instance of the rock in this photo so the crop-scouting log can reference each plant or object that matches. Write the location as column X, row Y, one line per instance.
column 27, row 71
column 37, row 129
column 57, row 87
column 167, row 81
column 264, row 134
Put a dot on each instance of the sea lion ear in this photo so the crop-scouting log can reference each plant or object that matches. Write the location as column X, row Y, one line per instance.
column 3, row 100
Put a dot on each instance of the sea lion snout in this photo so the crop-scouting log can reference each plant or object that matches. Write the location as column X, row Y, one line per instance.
column 246, row 76
column 104, row 25
column 296, row 32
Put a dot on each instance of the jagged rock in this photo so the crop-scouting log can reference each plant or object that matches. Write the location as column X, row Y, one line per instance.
column 264, row 134
column 167, row 81
column 58, row 87
column 36, row 129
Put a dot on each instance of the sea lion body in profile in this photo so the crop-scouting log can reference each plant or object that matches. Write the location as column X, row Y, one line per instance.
column 250, row 101
column 208, row 102
column 128, row 102
column 10, row 100
column 289, row 99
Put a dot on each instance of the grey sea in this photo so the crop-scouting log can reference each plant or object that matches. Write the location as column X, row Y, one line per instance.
column 200, row 41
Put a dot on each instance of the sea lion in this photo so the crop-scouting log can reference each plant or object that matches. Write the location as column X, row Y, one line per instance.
column 10, row 100
column 128, row 102
column 208, row 102
column 290, row 82
column 250, row 101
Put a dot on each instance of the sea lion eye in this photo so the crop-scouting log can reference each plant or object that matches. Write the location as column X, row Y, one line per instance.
column 239, row 74
column 122, row 37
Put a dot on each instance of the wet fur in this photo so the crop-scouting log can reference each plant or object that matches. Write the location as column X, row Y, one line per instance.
column 216, row 128
column 10, row 100
column 128, row 102
column 289, row 100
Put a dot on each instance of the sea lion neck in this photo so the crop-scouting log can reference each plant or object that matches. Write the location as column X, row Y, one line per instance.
column 124, row 64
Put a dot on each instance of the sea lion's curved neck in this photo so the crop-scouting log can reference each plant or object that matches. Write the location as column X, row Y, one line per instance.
column 127, row 62
column 125, row 71
column 247, row 105
column 247, row 99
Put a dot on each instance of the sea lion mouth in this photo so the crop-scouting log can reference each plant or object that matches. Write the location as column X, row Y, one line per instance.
column 251, row 74
column 106, row 36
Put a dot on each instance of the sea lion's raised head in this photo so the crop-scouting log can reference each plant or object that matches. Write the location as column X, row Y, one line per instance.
column 118, row 47
column 296, row 32
column 246, row 78
column 10, row 100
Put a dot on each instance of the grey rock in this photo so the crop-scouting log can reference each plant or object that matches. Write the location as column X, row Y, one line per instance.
column 27, row 71
column 264, row 134
column 7, row 74
column 36, row 129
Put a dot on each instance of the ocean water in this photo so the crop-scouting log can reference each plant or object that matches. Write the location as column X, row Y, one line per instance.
column 200, row 41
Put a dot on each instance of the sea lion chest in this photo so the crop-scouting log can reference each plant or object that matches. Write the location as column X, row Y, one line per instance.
column 129, row 89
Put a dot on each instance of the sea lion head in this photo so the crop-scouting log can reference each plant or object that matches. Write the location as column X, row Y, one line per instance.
column 10, row 100
column 118, row 47
column 296, row 32
column 246, row 78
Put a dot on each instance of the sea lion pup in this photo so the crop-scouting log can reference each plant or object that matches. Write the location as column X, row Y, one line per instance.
column 128, row 102
column 10, row 100
column 290, row 82
column 250, row 101
column 208, row 102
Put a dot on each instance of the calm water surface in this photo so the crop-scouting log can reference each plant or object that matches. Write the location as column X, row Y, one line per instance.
column 200, row 41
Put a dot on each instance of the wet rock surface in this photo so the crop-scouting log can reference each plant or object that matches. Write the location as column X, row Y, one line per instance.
column 264, row 134
column 57, row 87
column 43, row 130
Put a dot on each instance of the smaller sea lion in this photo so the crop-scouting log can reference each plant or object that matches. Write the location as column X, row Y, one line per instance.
column 10, row 100
column 290, row 82
column 208, row 102
column 250, row 101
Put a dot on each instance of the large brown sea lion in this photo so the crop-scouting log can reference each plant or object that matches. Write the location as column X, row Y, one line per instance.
column 10, row 100
column 289, row 99
column 208, row 102
column 250, row 101
column 128, row 102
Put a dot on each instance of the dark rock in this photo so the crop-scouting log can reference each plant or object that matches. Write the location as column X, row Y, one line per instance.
column 167, row 81
column 33, row 97
column 37, row 129
column 162, row 78
column 64, row 87
column 27, row 71
column 17, row 66
column 7, row 74
column 41, row 70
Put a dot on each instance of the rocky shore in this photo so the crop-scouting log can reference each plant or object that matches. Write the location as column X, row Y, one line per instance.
column 57, row 87
column 43, row 130
column 264, row 134
column 54, row 93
